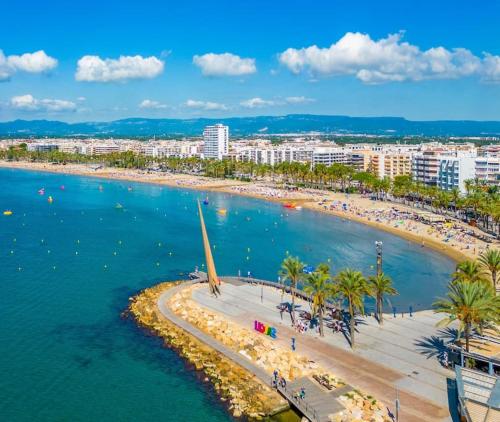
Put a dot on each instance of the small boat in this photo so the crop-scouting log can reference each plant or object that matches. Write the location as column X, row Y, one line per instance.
column 50, row 199
column 298, row 207
column 129, row 188
column 41, row 191
column 118, row 206
column 288, row 205
column 222, row 211
column 7, row 212
column 205, row 201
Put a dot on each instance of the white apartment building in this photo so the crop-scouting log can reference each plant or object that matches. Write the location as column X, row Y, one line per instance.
column 454, row 171
column 216, row 141
column 329, row 155
column 42, row 147
column 425, row 167
column 488, row 169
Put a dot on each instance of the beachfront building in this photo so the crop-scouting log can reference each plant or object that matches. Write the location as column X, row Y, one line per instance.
column 487, row 169
column 454, row 171
column 329, row 155
column 216, row 141
column 42, row 147
column 425, row 167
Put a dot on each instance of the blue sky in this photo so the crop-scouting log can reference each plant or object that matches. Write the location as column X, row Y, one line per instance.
column 422, row 60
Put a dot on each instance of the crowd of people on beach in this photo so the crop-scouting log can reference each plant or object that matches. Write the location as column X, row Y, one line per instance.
column 443, row 229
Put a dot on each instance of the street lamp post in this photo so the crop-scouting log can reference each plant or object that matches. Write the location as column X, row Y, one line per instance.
column 378, row 248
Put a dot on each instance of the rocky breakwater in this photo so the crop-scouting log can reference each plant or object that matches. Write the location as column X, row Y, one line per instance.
column 269, row 355
column 246, row 395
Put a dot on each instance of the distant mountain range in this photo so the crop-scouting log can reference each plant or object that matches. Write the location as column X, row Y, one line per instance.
column 293, row 123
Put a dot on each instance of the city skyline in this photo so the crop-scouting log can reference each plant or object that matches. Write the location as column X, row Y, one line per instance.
column 183, row 61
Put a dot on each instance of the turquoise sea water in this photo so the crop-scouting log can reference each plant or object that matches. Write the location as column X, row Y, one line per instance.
column 68, row 269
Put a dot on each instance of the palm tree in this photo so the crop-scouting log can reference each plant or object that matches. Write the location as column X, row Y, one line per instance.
column 472, row 304
column 469, row 271
column 323, row 268
column 381, row 285
column 320, row 287
column 490, row 261
column 292, row 269
column 352, row 286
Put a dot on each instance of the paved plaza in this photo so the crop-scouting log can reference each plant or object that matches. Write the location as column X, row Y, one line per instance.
column 396, row 359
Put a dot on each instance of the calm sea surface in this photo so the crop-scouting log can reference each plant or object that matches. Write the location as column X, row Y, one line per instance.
column 68, row 269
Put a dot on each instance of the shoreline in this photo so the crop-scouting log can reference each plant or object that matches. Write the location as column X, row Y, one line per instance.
column 305, row 199
column 244, row 393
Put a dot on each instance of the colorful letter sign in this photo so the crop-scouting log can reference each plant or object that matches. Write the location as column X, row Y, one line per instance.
column 264, row 329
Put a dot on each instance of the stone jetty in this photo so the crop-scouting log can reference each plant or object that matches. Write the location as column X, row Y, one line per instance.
column 246, row 395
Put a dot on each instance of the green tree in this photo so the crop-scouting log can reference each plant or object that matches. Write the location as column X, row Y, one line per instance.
column 381, row 285
column 469, row 271
column 352, row 286
column 471, row 304
column 319, row 286
column 292, row 270
column 490, row 261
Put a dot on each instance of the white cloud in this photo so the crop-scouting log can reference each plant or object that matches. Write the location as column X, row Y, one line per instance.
column 29, row 103
column 491, row 68
column 205, row 105
column 258, row 102
column 387, row 59
column 36, row 62
column 299, row 100
column 152, row 105
column 95, row 69
column 226, row 64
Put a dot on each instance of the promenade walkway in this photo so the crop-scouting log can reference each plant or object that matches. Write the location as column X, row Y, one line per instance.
column 318, row 404
column 400, row 355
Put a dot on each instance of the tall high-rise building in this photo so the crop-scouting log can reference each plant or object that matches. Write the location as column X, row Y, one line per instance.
column 216, row 141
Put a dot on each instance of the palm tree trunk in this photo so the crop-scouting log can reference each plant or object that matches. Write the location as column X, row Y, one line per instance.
column 467, row 335
column 320, row 311
column 379, row 305
column 351, row 324
column 292, row 291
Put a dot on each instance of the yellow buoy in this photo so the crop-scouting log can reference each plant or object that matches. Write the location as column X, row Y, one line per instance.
column 7, row 212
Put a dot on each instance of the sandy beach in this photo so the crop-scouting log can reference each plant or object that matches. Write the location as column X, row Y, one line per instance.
column 453, row 240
